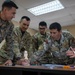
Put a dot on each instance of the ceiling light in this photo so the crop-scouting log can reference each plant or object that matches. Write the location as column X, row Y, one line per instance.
column 46, row 8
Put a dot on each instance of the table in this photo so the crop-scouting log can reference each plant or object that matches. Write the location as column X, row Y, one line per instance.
column 36, row 70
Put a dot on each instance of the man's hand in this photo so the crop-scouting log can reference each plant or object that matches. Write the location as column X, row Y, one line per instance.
column 8, row 62
column 24, row 62
column 71, row 52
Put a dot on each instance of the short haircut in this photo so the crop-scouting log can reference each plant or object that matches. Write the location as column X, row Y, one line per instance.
column 43, row 23
column 9, row 4
column 55, row 25
column 25, row 17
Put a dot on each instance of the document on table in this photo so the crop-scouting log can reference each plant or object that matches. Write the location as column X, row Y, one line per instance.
column 52, row 66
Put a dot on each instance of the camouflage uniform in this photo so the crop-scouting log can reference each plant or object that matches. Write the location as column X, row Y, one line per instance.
column 38, row 40
column 21, row 43
column 56, row 52
column 6, row 33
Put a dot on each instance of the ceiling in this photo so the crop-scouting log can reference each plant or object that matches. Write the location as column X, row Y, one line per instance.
column 65, row 16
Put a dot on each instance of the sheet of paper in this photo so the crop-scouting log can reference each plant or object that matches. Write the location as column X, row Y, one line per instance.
column 51, row 66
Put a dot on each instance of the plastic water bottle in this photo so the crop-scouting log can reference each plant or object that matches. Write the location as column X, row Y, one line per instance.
column 25, row 54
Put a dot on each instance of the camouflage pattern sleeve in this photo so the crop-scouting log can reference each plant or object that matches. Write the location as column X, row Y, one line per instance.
column 3, row 51
column 70, row 37
column 29, row 46
column 34, row 44
column 16, row 49
column 35, row 58
column 9, row 42
column 39, row 40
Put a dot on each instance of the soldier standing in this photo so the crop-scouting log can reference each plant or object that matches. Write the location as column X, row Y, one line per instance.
column 22, row 41
column 40, row 38
column 6, row 26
